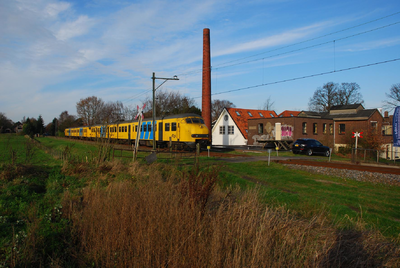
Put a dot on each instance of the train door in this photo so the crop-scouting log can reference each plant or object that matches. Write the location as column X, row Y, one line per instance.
column 160, row 131
column 129, row 134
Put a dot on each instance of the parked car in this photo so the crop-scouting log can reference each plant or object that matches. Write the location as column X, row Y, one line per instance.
column 310, row 147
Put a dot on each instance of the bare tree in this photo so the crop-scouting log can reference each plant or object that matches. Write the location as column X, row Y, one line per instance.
column 170, row 103
column 217, row 106
column 331, row 94
column 349, row 93
column 268, row 104
column 89, row 109
column 112, row 112
column 324, row 97
column 393, row 97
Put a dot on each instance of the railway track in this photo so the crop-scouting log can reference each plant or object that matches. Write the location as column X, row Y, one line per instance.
column 342, row 165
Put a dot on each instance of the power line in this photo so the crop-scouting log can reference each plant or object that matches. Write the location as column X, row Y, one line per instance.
column 306, row 76
column 316, row 45
column 305, row 41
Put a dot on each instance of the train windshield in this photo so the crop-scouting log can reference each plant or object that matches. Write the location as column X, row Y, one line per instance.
column 195, row 120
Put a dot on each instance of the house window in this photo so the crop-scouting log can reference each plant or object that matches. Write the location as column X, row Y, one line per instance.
column 291, row 115
column 387, row 130
column 374, row 126
column 324, row 128
column 250, row 114
column 237, row 113
column 342, row 128
column 261, row 114
column 331, row 129
column 222, row 130
column 230, row 130
column 167, row 126
column 173, row 127
column 272, row 115
column 315, row 128
column 304, row 127
column 260, row 128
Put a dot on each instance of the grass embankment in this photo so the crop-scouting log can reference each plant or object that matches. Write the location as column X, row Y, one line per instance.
column 113, row 214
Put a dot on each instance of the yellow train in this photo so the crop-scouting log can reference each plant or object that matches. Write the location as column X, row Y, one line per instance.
column 182, row 130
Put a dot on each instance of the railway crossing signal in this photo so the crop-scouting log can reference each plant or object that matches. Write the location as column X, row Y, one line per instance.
column 357, row 135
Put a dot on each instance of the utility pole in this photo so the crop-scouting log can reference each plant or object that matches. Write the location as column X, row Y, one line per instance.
column 154, row 102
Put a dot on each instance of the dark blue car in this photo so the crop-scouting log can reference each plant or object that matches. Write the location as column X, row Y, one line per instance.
column 310, row 147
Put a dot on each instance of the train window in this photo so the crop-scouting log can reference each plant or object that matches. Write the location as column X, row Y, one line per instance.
column 196, row 120
column 126, row 129
column 136, row 128
column 166, row 126
column 201, row 121
column 188, row 120
column 173, row 127
column 145, row 128
column 119, row 129
column 149, row 128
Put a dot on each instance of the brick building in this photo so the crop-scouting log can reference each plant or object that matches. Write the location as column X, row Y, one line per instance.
column 333, row 128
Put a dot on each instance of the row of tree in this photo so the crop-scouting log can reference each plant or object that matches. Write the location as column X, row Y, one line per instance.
column 93, row 110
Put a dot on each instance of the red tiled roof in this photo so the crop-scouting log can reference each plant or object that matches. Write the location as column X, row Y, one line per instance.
column 240, row 116
column 288, row 113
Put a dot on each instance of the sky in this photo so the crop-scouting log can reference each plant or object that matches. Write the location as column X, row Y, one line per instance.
column 54, row 53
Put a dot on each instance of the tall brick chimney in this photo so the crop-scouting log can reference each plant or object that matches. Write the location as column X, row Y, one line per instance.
column 206, row 88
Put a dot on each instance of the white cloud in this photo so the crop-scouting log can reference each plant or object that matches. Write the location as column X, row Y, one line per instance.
column 275, row 40
column 75, row 28
column 53, row 9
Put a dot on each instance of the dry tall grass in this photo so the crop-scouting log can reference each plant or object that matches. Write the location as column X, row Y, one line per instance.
column 171, row 219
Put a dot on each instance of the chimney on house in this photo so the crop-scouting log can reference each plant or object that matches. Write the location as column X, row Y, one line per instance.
column 386, row 114
column 206, row 82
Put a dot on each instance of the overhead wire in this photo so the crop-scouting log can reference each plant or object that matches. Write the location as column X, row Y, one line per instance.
column 304, row 77
column 297, row 43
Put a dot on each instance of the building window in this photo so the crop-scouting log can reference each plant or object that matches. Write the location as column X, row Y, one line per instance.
column 222, row 130
column 324, row 128
column 261, row 114
column 173, row 127
column 331, row 129
column 342, row 128
column 374, row 126
column 250, row 114
column 238, row 114
column 167, row 126
column 304, row 127
column 387, row 130
column 230, row 130
column 260, row 128
column 272, row 115
column 315, row 128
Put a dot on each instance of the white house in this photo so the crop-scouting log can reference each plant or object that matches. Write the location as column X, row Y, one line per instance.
column 231, row 127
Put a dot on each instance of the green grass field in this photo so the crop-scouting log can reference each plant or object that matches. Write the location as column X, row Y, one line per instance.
column 33, row 185
column 345, row 201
